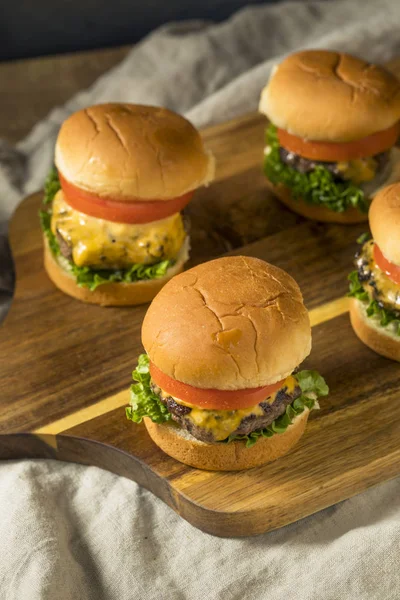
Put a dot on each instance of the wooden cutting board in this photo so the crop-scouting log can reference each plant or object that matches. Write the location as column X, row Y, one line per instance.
column 65, row 367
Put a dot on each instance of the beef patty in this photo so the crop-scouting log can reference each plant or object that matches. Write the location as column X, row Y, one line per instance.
column 65, row 248
column 249, row 423
column 306, row 165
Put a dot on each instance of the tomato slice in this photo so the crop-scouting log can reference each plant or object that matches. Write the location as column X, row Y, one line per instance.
column 334, row 152
column 134, row 211
column 211, row 398
column 391, row 270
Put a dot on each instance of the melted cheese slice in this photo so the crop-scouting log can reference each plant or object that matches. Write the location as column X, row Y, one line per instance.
column 221, row 423
column 358, row 171
column 104, row 244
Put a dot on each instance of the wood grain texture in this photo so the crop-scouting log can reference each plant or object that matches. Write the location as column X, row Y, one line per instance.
column 350, row 444
column 63, row 355
column 65, row 367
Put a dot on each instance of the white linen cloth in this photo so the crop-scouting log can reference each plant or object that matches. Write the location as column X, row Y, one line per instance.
column 69, row 532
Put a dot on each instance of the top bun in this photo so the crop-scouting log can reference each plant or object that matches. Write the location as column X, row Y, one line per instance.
column 128, row 151
column 232, row 323
column 328, row 96
column 384, row 221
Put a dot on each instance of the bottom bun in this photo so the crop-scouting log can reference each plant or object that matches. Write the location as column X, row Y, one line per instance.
column 234, row 456
column 315, row 211
column 110, row 294
column 380, row 339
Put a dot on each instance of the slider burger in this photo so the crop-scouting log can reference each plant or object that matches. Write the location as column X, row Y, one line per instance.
column 375, row 284
column 330, row 144
column 218, row 388
column 112, row 221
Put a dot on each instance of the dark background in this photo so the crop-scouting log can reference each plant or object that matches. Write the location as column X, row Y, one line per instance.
column 39, row 27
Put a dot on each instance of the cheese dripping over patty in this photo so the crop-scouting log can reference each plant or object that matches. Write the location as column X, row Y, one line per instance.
column 221, row 423
column 104, row 244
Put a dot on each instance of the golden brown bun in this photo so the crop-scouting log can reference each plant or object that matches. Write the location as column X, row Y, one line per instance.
column 231, row 323
column 108, row 294
column 384, row 220
column 127, row 151
column 316, row 212
column 323, row 95
column 375, row 337
column 178, row 443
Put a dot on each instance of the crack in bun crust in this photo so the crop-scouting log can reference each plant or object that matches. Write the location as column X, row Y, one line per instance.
column 128, row 151
column 232, row 323
column 330, row 96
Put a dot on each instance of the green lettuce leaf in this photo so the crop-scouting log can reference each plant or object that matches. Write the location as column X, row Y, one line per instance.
column 317, row 187
column 385, row 316
column 45, row 222
column 92, row 278
column 356, row 289
column 313, row 385
column 51, row 186
column 87, row 276
column 144, row 403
